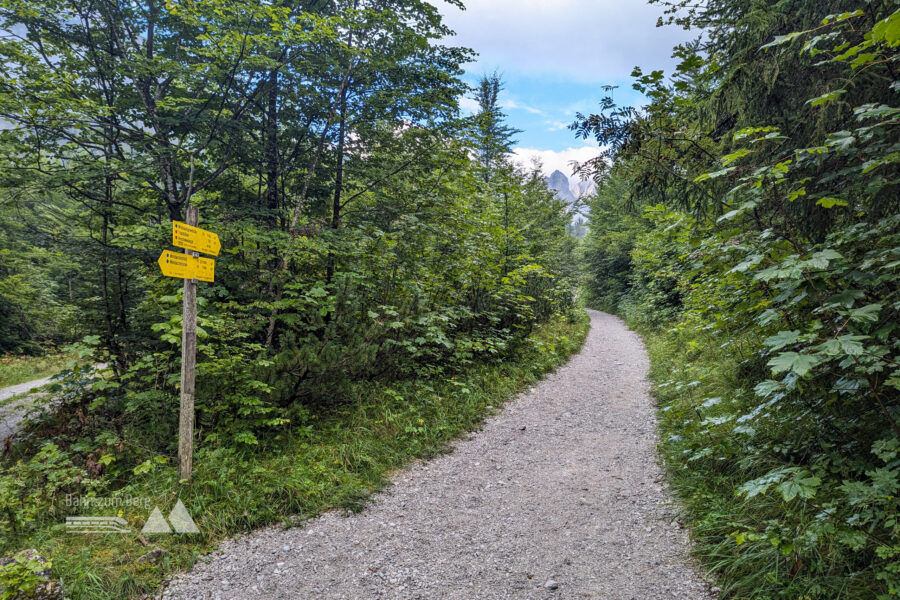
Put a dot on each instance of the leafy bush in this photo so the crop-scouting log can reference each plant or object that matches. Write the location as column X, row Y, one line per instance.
column 767, row 282
column 32, row 490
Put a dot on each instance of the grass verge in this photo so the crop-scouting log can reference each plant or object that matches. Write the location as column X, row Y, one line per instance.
column 21, row 369
column 758, row 546
column 335, row 459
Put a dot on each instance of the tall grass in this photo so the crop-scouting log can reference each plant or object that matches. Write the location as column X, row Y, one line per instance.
column 21, row 369
column 696, row 382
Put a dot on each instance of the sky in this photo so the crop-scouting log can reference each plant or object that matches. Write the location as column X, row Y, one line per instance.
column 554, row 56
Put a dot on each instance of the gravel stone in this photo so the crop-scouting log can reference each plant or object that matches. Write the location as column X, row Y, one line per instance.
column 576, row 497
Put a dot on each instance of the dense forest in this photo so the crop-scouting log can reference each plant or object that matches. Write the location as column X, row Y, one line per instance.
column 749, row 225
column 368, row 230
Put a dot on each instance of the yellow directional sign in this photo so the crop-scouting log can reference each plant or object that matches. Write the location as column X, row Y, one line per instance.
column 185, row 266
column 194, row 238
column 206, row 269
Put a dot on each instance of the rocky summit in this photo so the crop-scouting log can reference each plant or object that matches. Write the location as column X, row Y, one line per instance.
column 568, row 190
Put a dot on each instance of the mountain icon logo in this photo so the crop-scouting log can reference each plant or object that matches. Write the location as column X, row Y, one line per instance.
column 180, row 519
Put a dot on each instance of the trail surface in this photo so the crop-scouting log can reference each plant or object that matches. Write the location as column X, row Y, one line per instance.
column 559, row 496
column 21, row 388
column 13, row 411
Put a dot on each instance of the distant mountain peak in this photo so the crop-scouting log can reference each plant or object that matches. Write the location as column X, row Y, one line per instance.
column 559, row 183
column 583, row 187
column 558, row 175
column 569, row 191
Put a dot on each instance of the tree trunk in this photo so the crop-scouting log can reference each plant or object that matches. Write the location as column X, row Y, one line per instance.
column 338, row 180
column 272, row 170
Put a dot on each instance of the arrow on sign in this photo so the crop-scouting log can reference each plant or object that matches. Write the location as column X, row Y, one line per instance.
column 194, row 238
column 185, row 266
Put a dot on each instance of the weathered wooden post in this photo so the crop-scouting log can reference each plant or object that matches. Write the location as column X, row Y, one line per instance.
column 190, row 267
column 188, row 364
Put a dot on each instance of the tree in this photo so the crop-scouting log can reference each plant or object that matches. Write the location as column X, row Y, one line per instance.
column 492, row 138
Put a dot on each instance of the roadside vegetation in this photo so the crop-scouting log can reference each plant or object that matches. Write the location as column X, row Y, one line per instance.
column 21, row 369
column 749, row 227
column 332, row 458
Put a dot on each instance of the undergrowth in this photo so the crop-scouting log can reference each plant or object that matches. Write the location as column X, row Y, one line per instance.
column 328, row 458
column 764, row 537
column 21, row 369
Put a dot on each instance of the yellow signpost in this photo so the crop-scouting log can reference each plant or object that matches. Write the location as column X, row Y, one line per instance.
column 206, row 269
column 185, row 266
column 191, row 267
column 194, row 238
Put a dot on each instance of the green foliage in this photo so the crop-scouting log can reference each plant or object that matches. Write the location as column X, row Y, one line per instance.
column 21, row 369
column 605, row 254
column 379, row 254
column 762, row 185
column 492, row 138
column 21, row 578
column 328, row 458
column 361, row 239
column 32, row 490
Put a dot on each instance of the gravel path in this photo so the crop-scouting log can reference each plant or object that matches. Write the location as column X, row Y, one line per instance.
column 12, row 413
column 559, row 496
column 21, row 388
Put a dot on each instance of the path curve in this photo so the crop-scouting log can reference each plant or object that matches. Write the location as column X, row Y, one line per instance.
column 12, row 413
column 21, row 388
column 559, row 496
column 31, row 398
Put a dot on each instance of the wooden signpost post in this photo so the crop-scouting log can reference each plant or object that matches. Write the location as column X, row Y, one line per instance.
column 191, row 267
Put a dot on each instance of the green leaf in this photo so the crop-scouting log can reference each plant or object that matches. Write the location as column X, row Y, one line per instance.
column 783, row 39
column 144, row 467
column 801, row 364
column 782, row 339
column 866, row 314
column 848, row 345
column 759, row 486
column 821, row 260
column 887, row 31
column 831, row 202
column 831, row 19
column 805, row 487
column 826, row 98
column 713, row 175
column 730, row 158
column 796, row 194
column 847, row 298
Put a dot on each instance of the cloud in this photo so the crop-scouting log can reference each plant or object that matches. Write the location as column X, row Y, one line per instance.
column 510, row 104
column 584, row 40
column 557, row 125
column 555, row 161
column 469, row 105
